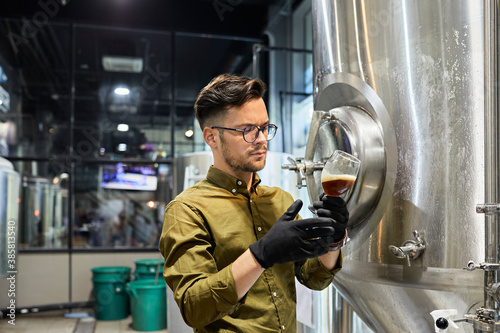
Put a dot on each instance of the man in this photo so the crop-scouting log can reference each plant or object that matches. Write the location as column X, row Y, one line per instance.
column 144, row 229
column 232, row 247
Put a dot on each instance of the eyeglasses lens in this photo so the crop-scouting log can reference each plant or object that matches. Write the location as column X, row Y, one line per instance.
column 251, row 133
column 271, row 132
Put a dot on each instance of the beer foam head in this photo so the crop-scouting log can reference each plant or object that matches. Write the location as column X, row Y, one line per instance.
column 325, row 177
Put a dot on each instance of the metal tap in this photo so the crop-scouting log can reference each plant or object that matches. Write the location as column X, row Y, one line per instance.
column 410, row 249
column 302, row 167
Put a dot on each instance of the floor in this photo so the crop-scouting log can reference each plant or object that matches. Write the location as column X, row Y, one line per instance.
column 64, row 321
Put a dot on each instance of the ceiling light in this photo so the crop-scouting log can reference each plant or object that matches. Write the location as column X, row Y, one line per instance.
column 122, row 127
column 122, row 91
column 122, row 64
column 189, row 133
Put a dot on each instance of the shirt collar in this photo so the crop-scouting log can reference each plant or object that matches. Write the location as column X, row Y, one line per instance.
column 230, row 183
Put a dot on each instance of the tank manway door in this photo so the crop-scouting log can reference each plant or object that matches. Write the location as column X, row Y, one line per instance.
column 353, row 118
column 352, row 130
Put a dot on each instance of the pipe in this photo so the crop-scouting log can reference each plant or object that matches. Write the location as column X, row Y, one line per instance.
column 173, row 93
column 71, row 164
column 491, row 146
column 283, row 117
column 47, row 307
column 257, row 48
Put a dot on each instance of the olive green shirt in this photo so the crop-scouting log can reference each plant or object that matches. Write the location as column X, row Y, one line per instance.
column 205, row 229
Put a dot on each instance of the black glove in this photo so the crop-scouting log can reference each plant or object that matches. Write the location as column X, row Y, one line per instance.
column 334, row 208
column 293, row 240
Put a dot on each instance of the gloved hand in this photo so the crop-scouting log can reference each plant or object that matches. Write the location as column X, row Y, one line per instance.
column 334, row 208
column 293, row 240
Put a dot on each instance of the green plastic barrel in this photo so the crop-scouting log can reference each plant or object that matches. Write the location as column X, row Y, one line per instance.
column 148, row 304
column 145, row 269
column 111, row 298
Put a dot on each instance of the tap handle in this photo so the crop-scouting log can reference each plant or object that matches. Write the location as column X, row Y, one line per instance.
column 442, row 319
column 442, row 323
column 410, row 249
column 298, row 167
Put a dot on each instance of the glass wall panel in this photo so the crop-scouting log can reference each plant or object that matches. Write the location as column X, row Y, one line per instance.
column 34, row 90
column 119, row 205
column 92, row 116
column 123, row 122
column 123, row 93
column 232, row 55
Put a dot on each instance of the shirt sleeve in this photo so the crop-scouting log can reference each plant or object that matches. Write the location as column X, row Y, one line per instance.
column 314, row 275
column 203, row 292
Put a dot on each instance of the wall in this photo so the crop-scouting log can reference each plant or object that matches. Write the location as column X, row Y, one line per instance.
column 44, row 278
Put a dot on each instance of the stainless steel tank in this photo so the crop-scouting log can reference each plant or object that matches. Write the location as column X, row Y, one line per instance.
column 401, row 85
column 9, row 227
column 41, row 216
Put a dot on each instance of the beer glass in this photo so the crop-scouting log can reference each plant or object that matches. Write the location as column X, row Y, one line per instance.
column 339, row 173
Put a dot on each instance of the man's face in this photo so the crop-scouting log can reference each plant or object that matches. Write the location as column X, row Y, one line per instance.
column 238, row 154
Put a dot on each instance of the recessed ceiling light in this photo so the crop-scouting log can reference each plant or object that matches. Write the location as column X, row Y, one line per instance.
column 122, row 64
column 122, row 91
column 122, row 127
column 189, row 133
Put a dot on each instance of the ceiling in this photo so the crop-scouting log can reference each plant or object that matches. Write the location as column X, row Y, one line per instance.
column 55, row 51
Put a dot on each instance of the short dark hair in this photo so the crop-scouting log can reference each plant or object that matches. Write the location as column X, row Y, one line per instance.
column 222, row 93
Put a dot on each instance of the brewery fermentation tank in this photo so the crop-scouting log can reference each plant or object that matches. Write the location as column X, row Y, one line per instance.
column 9, row 195
column 41, row 215
column 406, row 86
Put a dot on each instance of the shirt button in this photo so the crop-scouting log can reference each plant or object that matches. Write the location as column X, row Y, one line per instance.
column 274, row 294
column 250, row 200
column 259, row 228
column 239, row 182
column 233, row 190
column 283, row 327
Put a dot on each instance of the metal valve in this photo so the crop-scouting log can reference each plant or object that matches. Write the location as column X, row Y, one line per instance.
column 302, row 167
column 488, row 209
column 488, row 267
column 298, row 167
column 410, row 249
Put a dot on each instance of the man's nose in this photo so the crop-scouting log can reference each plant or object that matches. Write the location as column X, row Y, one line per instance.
column 260, row 137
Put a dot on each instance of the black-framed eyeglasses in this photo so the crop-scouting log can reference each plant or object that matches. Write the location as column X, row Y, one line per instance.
column 251, row 133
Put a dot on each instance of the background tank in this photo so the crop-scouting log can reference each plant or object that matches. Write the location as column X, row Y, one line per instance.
column 401, row 85
column 9, row 226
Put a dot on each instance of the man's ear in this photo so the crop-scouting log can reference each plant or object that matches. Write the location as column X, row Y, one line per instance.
column 210, row 136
